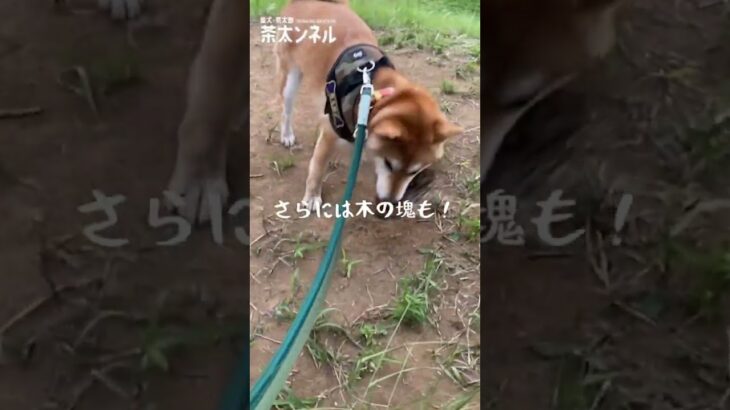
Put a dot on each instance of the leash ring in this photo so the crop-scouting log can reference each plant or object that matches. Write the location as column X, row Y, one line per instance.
column 368, row 68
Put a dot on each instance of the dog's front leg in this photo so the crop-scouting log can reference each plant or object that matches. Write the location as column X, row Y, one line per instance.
column 323, row 150
column 215, row 84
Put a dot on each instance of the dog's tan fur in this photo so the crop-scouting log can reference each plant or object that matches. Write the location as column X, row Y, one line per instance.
column 531, row 47
column 406, row 128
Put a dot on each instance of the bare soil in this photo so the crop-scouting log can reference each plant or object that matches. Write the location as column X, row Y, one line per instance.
column 388, row 250
column 64, row 353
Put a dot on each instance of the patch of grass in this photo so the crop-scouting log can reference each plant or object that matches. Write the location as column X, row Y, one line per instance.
column 369, row 361
column 462, row 400
column 108, row 72
column 467, row 70
column 280, row 165
column 469, row 227
column 115, row 73
column 287, row 400
column 448, row 88
column 461, row 365
column 469, row 185
column 412, row 307
column 348, row 264
column 428, row 24
column 320, row 352
column 369, row 333
column 413, row 304
column 302, row 248
column 285, row 311
column 712, row 281
column 159, row 342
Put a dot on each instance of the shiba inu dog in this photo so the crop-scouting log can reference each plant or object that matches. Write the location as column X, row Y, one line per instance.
column 532, row 48
column 406, row 131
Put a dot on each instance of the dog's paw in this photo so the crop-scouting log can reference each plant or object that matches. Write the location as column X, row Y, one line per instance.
column 288, row 139
column 200, row 198
column 312, row 202
column 122, row 9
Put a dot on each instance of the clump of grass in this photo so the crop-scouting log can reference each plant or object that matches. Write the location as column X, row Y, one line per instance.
column 285, row 311
column 468, row 227
column 302, row 247
column 160, row 341
column 369, row 333
column 461, row 365
column 412, row 307
column 280, row 165
column 462, row 400
column 413, row 304
column 467, row 70
column 287, row 400
column 369, row 361
column 116, row 73
column 448, row 88
column 320, row 352
column 108, row 72
column 469, row 185
column 348, row 264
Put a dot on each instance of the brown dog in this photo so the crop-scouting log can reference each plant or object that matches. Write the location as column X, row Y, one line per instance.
column 532, row 47
column 407, row 130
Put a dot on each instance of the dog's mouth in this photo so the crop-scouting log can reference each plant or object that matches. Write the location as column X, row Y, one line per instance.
column 417, row 188
column 419, row 185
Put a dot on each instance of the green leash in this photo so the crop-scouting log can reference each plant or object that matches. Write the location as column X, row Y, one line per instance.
column 277, row 371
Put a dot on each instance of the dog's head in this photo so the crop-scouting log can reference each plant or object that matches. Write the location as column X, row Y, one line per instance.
column 407, row 133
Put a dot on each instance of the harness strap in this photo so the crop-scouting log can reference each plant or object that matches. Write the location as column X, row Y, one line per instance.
column 344, row 82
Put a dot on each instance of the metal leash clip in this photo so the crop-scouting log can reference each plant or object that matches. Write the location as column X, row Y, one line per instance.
column 365, row 70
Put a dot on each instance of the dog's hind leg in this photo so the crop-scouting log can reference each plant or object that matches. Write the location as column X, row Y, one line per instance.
column 323, row 150
column 291, row 78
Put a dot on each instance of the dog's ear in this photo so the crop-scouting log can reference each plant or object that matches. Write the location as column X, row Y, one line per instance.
column 387, row 128
column 444, row 130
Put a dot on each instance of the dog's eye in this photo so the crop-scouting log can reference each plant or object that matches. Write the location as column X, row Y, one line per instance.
column 389, row 165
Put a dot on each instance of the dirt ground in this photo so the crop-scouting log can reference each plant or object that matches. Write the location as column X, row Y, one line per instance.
column 388, row 251
column 112, row 308
column 581, row 327
column 634, row 326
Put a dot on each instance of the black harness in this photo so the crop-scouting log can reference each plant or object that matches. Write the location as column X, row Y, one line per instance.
column 343, row 86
